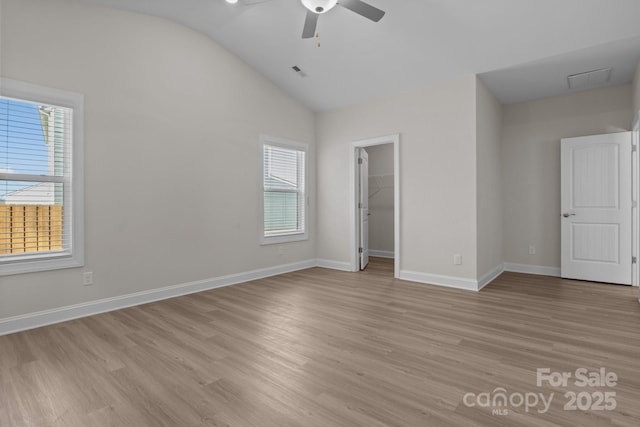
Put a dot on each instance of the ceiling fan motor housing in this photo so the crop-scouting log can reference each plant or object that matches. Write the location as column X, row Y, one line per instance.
column 319, row 6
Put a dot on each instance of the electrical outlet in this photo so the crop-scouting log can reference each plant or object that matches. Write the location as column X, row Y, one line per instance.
column 532, row 250
column 457, row 259
column 87, row 278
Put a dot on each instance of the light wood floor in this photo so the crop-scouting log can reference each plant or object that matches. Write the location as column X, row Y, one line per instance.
column 326, row 348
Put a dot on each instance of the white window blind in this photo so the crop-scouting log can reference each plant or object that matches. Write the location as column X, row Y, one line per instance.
column 36, row 183
column 284, row 189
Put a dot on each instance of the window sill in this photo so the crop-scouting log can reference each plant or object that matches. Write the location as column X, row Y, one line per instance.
column 286, row 238
column 33, row 266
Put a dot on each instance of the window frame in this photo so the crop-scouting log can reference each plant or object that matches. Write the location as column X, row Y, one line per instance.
column 289, row 145
column 73, row 223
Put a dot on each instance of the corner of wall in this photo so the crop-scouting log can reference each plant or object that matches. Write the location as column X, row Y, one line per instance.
column 490, row 256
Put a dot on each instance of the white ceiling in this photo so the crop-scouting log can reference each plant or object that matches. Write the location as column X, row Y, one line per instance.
column 418, row 42
column 548, row 76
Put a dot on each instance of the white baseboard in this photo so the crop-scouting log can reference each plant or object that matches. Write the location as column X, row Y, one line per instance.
column 57, row 315
column 532, row 269
column 333, row 265
column 382, row 254
column 436, row 279
column 453, row 282
column 490, row 276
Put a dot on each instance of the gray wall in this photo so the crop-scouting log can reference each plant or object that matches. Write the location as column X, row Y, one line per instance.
column 489, row 180
column 437, row 127
column 172, row 122
column 636, row 91
column 531, row 164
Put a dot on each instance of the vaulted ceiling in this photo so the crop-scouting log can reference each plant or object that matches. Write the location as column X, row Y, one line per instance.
column 523, row 49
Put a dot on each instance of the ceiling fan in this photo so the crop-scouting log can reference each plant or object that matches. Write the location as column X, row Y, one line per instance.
column 315, row 8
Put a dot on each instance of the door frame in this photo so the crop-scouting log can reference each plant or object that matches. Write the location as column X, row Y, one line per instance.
column 635, row 191
column 363, row 186
column 353, row 196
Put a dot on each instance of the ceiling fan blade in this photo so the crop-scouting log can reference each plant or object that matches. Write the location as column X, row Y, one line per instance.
column 362, row 8
column 310, row 23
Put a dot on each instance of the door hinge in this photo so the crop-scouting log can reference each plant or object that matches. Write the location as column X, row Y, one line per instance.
column 634, row 260
column 359, row 250
column 359, row 160
column 634, row 148
column 634, row 204
column 359, row 205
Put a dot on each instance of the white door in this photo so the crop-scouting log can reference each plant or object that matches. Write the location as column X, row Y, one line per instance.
column 363, row 206
column 596, row 208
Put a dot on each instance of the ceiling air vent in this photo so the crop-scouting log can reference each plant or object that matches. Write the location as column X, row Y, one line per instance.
column 589, row 79
column 299, row 71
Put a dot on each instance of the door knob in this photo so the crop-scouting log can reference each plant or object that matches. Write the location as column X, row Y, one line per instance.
column 567, row 214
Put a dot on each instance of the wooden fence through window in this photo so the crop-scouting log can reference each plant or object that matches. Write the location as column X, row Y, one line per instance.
column 30, row 228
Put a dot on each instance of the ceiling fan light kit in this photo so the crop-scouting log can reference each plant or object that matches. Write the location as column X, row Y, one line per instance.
column 317, row 7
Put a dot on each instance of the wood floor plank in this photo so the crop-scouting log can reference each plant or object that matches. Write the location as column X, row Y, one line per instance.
column 321, row 348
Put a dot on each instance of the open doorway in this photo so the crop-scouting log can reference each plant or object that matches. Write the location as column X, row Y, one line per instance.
column 374, row 180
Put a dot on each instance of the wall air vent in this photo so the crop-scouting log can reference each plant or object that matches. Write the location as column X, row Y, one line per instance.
column 589, row 79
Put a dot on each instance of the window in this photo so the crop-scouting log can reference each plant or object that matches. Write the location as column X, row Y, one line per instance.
column 41, row 212
column 284, row 195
